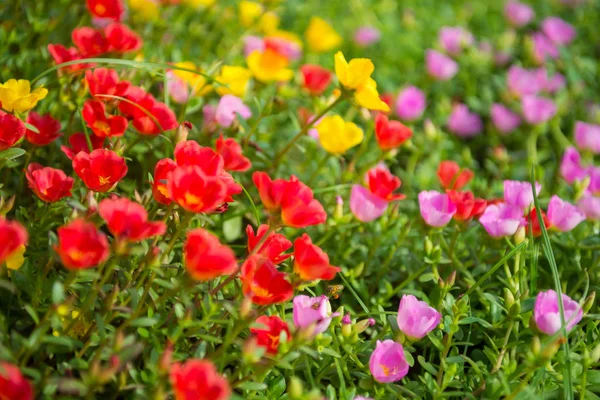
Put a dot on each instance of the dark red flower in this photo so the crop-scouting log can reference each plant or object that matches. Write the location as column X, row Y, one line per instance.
column 94, row 115
column 12, row 129
column 263, row 283
column 79, row 143
column 198, row 380
column 48, row 127
column 13, row 385
column 159, row 186
column 310, row 262
column 121, row 38
column 467, row 206
column 316, row 79
column 451, row 176
column 536, row 228
column 272, row 248
column 12, row 237
column 89, row 41
column 206, row 257
column 100, row 170
column 49, row 184
column 105, row 81
column 269, row 335
column 109, row 9
column 232, row 155
column 390, row 134
column 128, row 220
column 81, row 245
column 382, row 184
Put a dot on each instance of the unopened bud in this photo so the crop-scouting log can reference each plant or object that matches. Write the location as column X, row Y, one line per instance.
column 245, row 308
column 7, row 205
column 358, row 270
column 430, row 129
column 428, row 245
column 551, row 349
column 338, row 213
column 589, row 302
column 514, row 310
column 361, row 326
column 451, row 279
column 295, row 388
column 536, row 346
column 339, row 315
column 182, row 132
column 519, row 236
column 346, row 330
column 595, row 354
column 509, row 298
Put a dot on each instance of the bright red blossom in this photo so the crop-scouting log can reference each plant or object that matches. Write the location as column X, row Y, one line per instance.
column 196, row 191
column 48, row 127
column 89, row 41
column 206, row 257
column 232, row 155
column 198, row 380
column 13, row 385
column 390, row 134
column 60, row 54
column 159, row 186
column 128, row 220
column 451, row 176
column 12, row 129
column 81, row 245
column 122, row 39
column 49, row 184
column 467, row 206
column 94, row 114
column 292, row 198
column 310, row 262
column 272, row 248
column 382, row 184
column 536, row 228
column 79, row 143
column 263, row 283
column 110, row 9
column 104, row 81
column 269, row 335
column 100, row 170
column 140, row 106
column 12, row 237
column 316, row 79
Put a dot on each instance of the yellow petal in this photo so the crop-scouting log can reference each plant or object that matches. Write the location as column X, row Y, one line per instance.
column 23, row 87
column 359, row 72
column 337, row 136
column 321, row 36
column 16, row 259
column 268, row 22
column 341, row 68
column 236, row 80
column 249, row 12
column 269, row 66
column 367, row 96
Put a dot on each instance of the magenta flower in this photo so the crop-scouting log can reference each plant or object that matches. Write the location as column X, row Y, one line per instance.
column 551, row 84
column 520, row 194
column 563, row 215
column 362, row 398
column 537, row 110
column 546, row 312
column 501, row 220
column 253, row 43
column 587, row 136
column 440, row 66
column 312, row 311
column 589, row 205
column 366, row 36
column 387, row 363
column 559, row 31
column 543, row 48
column 594, row 185
column 410, row 103
column 518, row 14
column 570, row 166
column 436, row 208
column 415, row 318
column 209, row 123
column 228, row 107
column 454, row 38
column 463, row 122
column 504, row 119
column 365, row 205
column 523, row 82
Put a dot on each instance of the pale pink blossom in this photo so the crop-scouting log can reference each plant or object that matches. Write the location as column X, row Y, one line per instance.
column 501, row 220
column 416, row 318
column 387, row 362
column 440, row 66
column 563, row 215
column 559, row 31
column 463, row 122
column 436, row 208
column 228, row 108
column 546, row 312
column 504, row 119
column 518, row 14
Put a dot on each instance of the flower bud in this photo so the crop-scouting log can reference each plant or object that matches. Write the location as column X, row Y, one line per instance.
column 361, row 326
column 295, row 388
column 451, row 279
column 519, row 235
column 346, row 330
column 430, row 129
column 245, row 308
column 428, row 245
column 338, row 213
column 536, row 345
column 340, row 316
column 509, row 298
column 7, row 205
column 589, row 302
column 182, row 132
column 595, row 354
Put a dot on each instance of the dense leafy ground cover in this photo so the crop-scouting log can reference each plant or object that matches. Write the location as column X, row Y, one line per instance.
column 299, row 200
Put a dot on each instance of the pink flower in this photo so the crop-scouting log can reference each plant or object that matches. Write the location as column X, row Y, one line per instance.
column 463, row 122
column 559, row 31
column 313, row 311
column 415, row 318
column 587, row 136
column 546, row 312
column 543, row 48
column 365, row 205
column 363, row 398
column 570, row 166
column 551, row 84
column 537, row 110
column 589, row 205
column 440, row 66
column 504, row 119
column 454, row 38
column 228, row 107
column 501, row 220
column 177, row 87
column 209, row 122
column 366, row 36
column 518, row 14
column 520, row 194
column 594, row 186
column 253, row 43
column 387, row 363
column 523, row 82
column 436, row 208
column 410, row 103
column 563, row 215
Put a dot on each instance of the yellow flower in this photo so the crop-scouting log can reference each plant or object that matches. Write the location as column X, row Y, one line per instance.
column 15, row 260
column 147, row 10
column 356, row 76
column 338, row 136
column 197, row 83
column 249, row 12
column 17, row 95
column 199, row 3
column 268, row 23
column 269, row 66
column 236, row 79
column 321, row 36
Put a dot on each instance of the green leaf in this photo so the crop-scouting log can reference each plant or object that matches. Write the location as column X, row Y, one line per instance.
column 32, row 313
column 471, row 320
column 232, row 229
column 428, row 367
column 144, row 321
column 12, row 153
column 58, row 292
column 252, row 386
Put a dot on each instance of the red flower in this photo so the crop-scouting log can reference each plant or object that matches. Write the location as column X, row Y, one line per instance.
column 263, row 283
column 110, row 9
column 194, row 190
column 12, row 129
column 12, row 237
column 452, row 177
column 269, row 335
column 89, row 41
column 389, row 98
column 79, row 144
column 232, row 155
column 140, row 105
column 105, row 81
column 100, row 170
column 467, row 206
column 49, row 129
column 122, row 39
column 81, row 245
column 94, row 115
column 159, row 185
column 206, row 257
column 13, row 385
column 49, row 184
column 310, row 262
column 198, row 380
column 60, row 54
column 292, row 198
column 272, row 247
column 535, row 226
column 128, row 220
column 390, row 134
column 316, row 79
column 382, row 184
